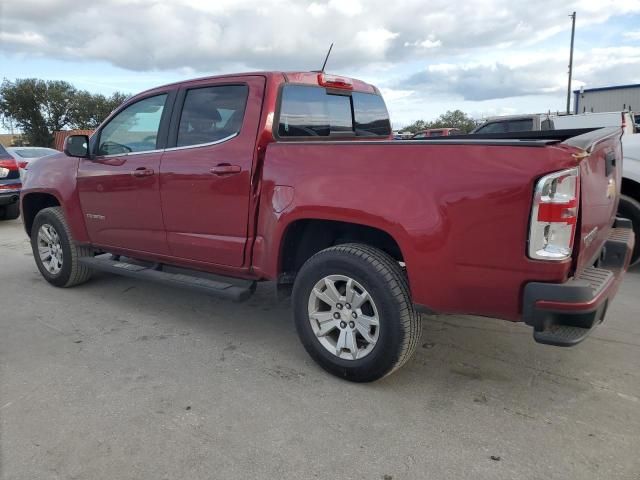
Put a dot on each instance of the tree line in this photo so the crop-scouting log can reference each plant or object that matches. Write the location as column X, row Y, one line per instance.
column 38, row 108
column 450, row 119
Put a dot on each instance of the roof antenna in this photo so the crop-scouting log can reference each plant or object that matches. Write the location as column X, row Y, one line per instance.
column 326, row 58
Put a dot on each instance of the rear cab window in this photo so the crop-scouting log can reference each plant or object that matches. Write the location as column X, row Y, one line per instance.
column 493, row 127
column 310, row 111
column 524, row 125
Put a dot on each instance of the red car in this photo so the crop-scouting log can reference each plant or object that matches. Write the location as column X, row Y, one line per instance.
column 293, row 178
column 436, row 132
column 10, row 186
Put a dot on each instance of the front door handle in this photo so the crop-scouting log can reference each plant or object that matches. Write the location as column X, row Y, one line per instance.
column 142, row 172
column 226, row 169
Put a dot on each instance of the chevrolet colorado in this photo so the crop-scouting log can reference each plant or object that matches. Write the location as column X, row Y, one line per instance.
column 221, row 182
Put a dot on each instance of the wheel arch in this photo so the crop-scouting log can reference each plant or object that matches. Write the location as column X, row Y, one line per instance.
column 304, row 237
column 34, row 202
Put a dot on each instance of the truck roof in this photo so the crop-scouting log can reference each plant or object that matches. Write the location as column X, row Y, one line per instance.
column 309, row 78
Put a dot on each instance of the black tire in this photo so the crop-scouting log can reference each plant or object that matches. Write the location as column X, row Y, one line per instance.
column 384, row 279
column 10, row 212
column 630, row 208
column 72, row 272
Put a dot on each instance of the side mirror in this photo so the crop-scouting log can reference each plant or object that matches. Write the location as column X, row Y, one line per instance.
column 77, row 146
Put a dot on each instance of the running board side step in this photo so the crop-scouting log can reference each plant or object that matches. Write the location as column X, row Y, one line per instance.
column 230, row 291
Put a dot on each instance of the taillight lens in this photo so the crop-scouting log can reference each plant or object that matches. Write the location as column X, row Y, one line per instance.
column 554, row 215
column 9, row 164
column 333, row 81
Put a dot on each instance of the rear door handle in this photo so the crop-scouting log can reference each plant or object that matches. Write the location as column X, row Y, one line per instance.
column 226, row 169
column 142, row 172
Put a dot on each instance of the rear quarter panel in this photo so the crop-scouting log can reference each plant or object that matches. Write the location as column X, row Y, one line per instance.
column 459, row 213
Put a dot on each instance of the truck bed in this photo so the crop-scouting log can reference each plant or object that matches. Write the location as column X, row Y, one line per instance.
column 547, row 136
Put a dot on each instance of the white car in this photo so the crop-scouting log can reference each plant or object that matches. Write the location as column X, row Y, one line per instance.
column 596, row 120
column 629, row 206
column 26, row 155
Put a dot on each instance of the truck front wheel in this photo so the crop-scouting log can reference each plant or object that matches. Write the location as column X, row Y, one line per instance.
column 630, row 208
column 353, row 312
column 55, row 252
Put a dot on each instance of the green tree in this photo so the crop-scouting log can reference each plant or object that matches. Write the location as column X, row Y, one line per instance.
column 37, row 107
column 89, row 110
column 416, row 126
column 450, row 119
column 454, row 119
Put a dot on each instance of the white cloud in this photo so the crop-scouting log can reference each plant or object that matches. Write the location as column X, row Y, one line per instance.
column 523, row 74
column 426, row 57
column 632, row 35
column 210, row 35
column 317, row 9
column 374, row 40
column 429, row 42
column 349, row 8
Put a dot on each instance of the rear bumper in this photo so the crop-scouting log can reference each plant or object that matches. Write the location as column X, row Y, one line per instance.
column 564, row 314
column 9, row 197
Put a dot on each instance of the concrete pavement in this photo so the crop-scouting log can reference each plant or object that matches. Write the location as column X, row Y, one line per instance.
column 119, row 379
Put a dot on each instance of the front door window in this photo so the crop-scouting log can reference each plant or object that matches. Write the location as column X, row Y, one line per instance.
column 134, row 129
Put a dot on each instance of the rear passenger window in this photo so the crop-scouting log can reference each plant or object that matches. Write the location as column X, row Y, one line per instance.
column 307, row 111
column 211, row 114
column 371, row 116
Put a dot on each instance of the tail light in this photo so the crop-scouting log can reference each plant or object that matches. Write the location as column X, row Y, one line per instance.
column 554, row 215
column 333, row 81
column 9, row 164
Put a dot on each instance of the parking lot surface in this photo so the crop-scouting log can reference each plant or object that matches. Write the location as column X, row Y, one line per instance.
column 119, row 379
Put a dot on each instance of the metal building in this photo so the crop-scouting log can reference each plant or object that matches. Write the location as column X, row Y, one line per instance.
column 607, row 99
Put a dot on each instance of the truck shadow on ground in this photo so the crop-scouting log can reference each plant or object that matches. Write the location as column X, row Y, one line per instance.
column 457, row 353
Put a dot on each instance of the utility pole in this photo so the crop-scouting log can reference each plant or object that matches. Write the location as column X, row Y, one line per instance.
column 573, row 32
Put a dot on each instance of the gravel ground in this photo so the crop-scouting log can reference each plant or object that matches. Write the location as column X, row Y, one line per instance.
column 120, row 379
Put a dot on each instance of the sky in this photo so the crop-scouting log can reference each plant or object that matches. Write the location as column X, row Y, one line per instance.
column 489, row 57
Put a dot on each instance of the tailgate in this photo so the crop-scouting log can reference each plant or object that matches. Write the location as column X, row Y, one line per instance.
column 600, row 160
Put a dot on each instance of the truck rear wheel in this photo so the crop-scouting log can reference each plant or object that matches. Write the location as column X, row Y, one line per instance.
column 55, row 252
column 353, row 312
column 630, row 208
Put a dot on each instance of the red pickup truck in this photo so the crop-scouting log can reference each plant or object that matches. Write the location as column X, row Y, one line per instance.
column 221, row 182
